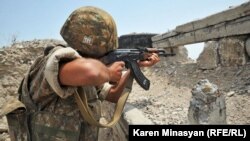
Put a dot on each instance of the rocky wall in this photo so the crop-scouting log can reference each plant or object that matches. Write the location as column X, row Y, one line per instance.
column 231, row 51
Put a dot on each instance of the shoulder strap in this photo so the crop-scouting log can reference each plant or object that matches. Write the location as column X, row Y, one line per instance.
column 88, row 116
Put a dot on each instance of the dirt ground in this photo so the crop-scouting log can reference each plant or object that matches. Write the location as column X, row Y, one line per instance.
column 167, row 101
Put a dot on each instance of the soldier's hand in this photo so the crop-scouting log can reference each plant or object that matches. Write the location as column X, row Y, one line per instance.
column 150, row 61
column 115, row 70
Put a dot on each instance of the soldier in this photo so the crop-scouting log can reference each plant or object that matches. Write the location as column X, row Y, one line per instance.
column 48, row 89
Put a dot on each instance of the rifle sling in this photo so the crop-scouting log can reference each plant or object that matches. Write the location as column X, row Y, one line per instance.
column 87, row 114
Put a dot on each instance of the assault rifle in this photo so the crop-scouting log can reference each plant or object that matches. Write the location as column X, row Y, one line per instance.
column 130, row 57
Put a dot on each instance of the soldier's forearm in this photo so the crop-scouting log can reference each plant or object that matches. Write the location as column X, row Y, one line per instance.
column 82, row 71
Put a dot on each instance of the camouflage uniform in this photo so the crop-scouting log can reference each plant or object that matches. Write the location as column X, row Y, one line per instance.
column 52, row 111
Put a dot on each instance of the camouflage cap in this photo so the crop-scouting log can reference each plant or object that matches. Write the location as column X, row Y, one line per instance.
column 91, row 31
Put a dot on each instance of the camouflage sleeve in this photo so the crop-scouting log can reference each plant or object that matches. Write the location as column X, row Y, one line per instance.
column 105, row 88
column 52, row 69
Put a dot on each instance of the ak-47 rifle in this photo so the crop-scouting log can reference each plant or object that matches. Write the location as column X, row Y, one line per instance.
column 131, row 58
